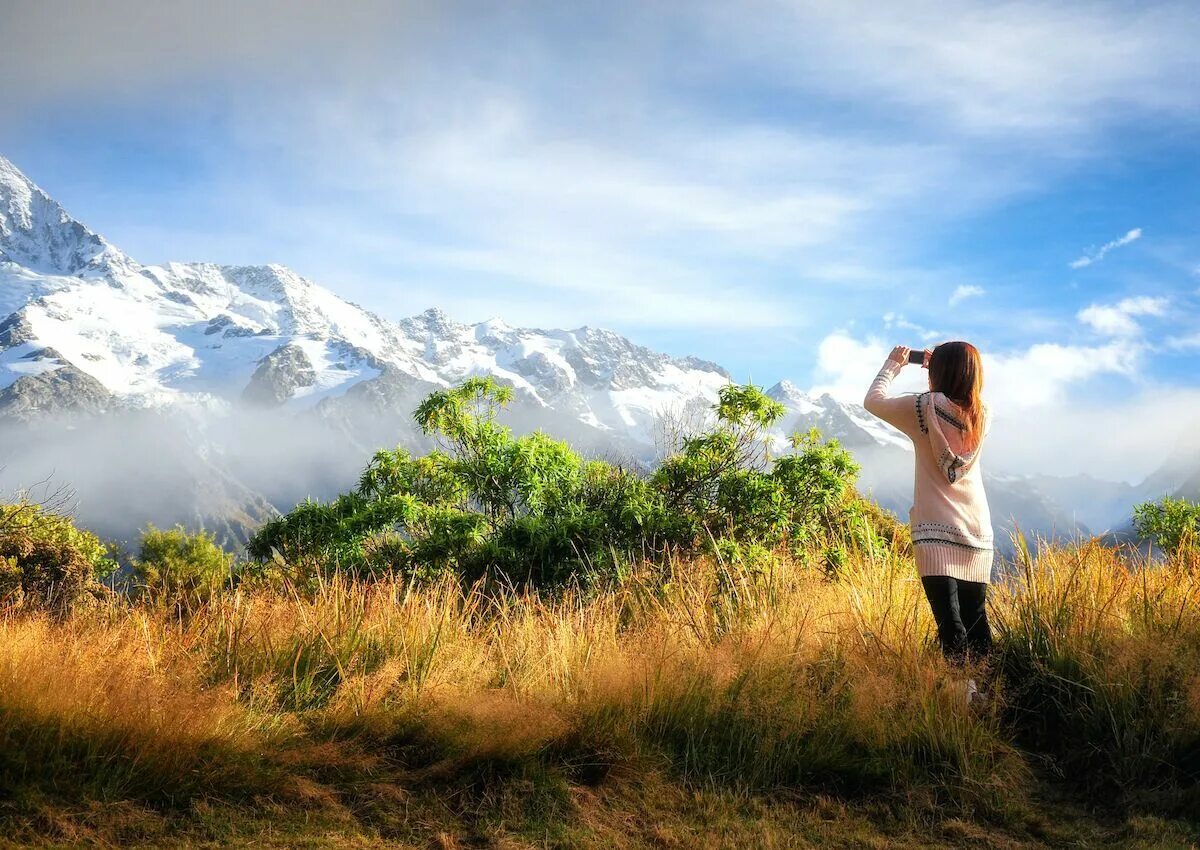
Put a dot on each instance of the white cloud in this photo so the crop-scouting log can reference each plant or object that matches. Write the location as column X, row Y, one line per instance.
column 570, row 168
column 676, row 224
column 583, row 183
column 1119, row 319
column 965, row 291
column 1044, row 373
column 1099, row 254
column 846, row 365
column 1039, row 376
column 1044, row 418
column 1095, row 437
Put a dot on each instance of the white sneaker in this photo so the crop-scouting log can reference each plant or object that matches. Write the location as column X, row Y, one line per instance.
column 972, row 690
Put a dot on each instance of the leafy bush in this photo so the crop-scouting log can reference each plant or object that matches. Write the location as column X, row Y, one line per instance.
column 1172, row 523
column 173, row 564
column 529, row 510
column 45, row 561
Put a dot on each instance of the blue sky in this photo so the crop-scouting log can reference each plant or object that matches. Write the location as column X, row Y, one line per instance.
column 785, row 188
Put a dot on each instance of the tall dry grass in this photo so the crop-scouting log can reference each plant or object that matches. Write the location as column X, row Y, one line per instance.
column 108, row 706
column 1100, row 655
column 765, row 676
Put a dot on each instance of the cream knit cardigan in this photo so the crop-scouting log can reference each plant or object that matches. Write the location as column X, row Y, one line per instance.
column 950, row 521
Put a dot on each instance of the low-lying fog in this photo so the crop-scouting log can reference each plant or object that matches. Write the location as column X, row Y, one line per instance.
column 228, row 472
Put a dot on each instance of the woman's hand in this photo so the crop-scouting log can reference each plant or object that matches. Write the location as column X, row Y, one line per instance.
column 900, row 354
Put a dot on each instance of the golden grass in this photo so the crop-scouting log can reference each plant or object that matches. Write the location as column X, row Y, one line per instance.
column 1101, row 653
column 765, row 676
column 113, row 703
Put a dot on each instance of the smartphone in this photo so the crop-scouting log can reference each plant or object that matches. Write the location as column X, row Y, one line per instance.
column 917, row 356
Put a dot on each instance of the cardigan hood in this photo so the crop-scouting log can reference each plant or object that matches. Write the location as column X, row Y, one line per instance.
column 940, row 419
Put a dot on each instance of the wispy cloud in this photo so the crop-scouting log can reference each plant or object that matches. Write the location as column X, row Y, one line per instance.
column 1120, row 319
column 1045, row 70
column 897, row 320
column 691, row 212
column 1186, row 342
column 965, row 291
column 1099, row 254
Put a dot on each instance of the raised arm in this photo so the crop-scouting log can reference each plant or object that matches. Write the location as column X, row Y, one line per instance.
column 898, row 411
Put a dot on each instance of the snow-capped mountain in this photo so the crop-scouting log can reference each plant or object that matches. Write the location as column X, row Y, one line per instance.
column 85, row 327
column 200, row 357
column 848, row 423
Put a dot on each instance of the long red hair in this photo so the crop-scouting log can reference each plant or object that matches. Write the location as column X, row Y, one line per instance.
column 956, row 371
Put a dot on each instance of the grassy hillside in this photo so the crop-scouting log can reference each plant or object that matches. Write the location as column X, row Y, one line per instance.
column 502, row 644
column 713, row 704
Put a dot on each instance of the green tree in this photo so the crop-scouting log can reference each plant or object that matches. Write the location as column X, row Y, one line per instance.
column 45, row 560
column 530, row 510
column 1172, row 523
column 185, row 568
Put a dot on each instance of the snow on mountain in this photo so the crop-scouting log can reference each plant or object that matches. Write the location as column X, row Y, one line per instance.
column 37, row 233
column 216, row 336
column 848, row 423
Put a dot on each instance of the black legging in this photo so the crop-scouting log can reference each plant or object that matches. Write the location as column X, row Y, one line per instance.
column 960, row 609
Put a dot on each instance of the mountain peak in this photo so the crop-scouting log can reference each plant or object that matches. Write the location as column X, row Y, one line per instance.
column 37, row 233
column 785, row 390
column 495, row 329
column 12, row 178
column 436, row 322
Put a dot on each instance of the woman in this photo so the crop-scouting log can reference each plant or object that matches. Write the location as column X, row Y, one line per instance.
column 950, row 521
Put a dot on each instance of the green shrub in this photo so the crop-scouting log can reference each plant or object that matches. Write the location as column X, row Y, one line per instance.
column 186, row 568
column 45, row 561
column 530, row 511
column 1172, row 523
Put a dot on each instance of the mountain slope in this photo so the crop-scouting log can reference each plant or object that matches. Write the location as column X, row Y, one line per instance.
column 38, row 234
